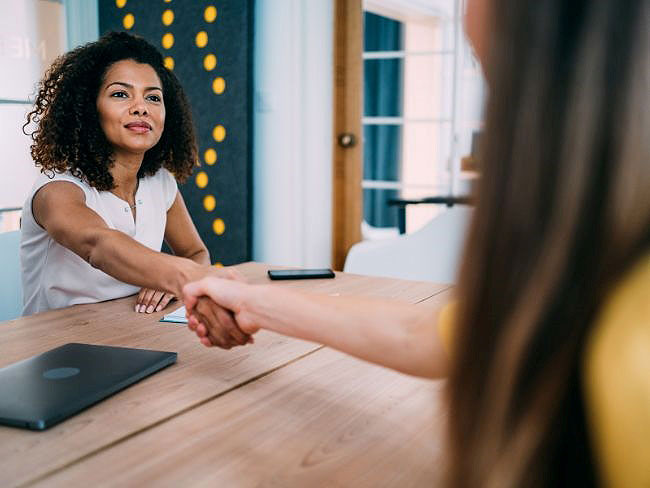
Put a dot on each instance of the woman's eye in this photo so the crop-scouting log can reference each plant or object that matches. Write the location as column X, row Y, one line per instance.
column 119, row 94
column 154, row 98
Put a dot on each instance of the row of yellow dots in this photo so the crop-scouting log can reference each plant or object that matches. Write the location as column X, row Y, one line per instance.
column 210, row 156
column 219, row 131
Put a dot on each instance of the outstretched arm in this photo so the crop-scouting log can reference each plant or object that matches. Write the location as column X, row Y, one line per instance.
column 59, row 207
column 397, row 335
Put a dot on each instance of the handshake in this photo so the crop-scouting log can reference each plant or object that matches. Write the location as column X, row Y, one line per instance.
column 225, row 311
column 217, row 310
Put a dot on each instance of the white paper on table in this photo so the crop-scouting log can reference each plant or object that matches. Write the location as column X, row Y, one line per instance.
column 177, row 316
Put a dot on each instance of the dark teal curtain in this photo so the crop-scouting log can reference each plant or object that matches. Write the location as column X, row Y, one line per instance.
column 382, row 85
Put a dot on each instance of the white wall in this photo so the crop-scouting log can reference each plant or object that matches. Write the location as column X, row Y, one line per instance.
column 292, row 160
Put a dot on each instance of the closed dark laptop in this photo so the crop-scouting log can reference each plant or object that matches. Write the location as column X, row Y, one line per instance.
column 40, row 391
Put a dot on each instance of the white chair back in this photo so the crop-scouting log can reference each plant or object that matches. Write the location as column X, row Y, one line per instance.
column 430, row 254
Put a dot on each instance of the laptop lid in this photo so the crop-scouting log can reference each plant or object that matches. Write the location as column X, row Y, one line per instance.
column 43, row 390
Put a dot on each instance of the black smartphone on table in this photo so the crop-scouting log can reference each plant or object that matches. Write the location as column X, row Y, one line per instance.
column 300, row 274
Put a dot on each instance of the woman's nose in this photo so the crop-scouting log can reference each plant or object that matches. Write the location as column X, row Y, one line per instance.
column 138, row 108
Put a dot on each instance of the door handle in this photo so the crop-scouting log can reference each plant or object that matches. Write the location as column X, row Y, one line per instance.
column 347, row 140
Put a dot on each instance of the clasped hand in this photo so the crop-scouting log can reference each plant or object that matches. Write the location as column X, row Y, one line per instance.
column 214, row 311
column 213, row 322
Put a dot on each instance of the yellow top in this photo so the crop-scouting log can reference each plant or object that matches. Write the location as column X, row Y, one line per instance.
column 446, row 319
column 616, row 379
column 617, row 382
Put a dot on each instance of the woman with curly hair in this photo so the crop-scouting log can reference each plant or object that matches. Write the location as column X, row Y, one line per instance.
column 114, row 134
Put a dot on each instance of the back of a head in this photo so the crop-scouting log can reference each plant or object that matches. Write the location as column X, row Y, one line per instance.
column 563, row 211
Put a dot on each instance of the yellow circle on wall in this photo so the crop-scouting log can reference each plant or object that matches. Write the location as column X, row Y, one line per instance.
column 168, row 1
column 210, row 62
column 167, row 17
column 201, row 179
column 218, row 226
column 202, row 39
column 169, row 63
column 128, row 21
column 210, row 13
column 219, row 133
column 120, row 3
column 168, row 40
column 219, row 85
column 210, row 156
column 209, row 202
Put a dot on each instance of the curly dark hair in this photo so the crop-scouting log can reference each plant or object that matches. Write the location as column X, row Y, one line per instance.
column 68, row 136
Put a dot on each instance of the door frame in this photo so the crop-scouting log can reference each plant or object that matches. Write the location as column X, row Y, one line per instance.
column 347, row 152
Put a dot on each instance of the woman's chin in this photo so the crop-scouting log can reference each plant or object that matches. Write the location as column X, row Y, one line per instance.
column 135, row 149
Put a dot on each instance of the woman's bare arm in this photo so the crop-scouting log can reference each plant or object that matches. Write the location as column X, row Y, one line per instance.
column 181, row 234
column 397, row 335
column 60, row 208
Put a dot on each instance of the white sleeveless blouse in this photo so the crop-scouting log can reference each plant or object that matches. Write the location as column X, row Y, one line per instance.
column 55, row 277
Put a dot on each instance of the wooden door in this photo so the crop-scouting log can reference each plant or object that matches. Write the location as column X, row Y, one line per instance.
column 347, row 153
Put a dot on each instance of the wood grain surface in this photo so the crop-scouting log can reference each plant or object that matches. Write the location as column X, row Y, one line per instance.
column 245, row 391
column 326, row 420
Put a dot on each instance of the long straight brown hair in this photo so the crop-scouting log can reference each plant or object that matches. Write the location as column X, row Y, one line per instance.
column 563, row 211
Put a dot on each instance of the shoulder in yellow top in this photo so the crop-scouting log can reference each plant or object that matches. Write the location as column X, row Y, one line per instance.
column 617, row 382
column 616, row 379
column 446, row 319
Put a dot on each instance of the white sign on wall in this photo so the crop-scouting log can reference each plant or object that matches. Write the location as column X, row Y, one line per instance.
column 32, row 35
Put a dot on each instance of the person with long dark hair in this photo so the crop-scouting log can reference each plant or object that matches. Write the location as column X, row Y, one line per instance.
column 113, row 135
column 547, row 346
column 562, row 229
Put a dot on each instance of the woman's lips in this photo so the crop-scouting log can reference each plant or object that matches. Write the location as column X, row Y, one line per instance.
column 139, row 127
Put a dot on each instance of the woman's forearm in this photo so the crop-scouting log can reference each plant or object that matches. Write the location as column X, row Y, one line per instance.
column 127, row 260
column 397, row 335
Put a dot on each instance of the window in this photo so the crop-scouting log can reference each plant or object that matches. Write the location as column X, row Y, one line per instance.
column 26, row 50
column 422, row 103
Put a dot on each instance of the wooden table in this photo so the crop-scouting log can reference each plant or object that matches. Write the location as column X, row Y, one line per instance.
column 281, row 412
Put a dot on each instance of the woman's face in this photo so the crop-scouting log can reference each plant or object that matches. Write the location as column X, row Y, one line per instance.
column 131, row 107
column 476, row 19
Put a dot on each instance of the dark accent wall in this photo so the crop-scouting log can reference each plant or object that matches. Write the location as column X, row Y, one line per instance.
column 218, row 195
